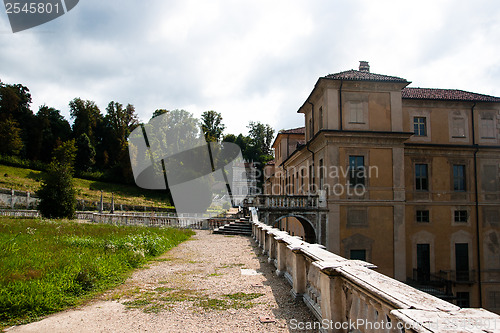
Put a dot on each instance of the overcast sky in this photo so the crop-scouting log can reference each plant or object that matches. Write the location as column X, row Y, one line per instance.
column 249, row 60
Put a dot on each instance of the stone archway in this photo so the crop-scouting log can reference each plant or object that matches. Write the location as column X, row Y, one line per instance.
column 309, row 230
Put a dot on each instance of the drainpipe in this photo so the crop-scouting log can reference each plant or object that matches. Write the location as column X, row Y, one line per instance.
column 340, row 105
column 476, row 202
column 309, row 141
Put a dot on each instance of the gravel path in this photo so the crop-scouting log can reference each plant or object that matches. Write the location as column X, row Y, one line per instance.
column 211, row 283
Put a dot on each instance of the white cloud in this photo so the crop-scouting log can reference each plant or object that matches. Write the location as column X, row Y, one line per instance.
column 249, row 60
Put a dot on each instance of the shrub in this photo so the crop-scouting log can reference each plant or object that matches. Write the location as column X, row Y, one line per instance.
column 57, row 193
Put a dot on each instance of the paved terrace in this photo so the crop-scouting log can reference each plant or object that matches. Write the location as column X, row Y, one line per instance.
column 185, row 293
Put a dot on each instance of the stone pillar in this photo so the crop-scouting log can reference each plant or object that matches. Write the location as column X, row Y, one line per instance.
column 12, row 199
column 101, row 204
column 299, row 277
column 27, row 199
column 271, row 248
column 332, row 300
column 112, row 203
column 281, row 249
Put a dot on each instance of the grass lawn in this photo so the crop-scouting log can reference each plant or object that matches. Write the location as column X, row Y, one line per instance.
column 49, row 265
column 29, row 180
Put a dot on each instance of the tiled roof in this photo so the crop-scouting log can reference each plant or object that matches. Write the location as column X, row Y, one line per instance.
column 446, row 95
column 354, row 75
column 298, row 130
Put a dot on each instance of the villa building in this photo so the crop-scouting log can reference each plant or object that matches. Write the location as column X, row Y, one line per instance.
column 410, row 177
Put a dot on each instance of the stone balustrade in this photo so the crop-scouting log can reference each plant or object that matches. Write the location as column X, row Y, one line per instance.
column 285, row 201
column 153, row 220
column 350, row 296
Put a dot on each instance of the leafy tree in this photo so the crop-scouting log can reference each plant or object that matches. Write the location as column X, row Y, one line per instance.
column 211, row 125
column 57, row 192
column 159, row 112
column 85, row 154
column 10, row 137
column 15, row 100
column 119, row 122
column 65, row 154
column 87, row 117
column 53, row 129
column 262, row 137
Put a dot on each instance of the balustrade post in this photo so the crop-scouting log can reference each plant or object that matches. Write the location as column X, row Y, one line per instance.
column 281, row 257
column 299, row 277
column 271, row 248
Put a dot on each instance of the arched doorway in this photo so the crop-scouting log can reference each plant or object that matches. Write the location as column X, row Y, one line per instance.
column 297, row 225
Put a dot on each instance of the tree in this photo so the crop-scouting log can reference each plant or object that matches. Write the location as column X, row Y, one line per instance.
column 85, row 154
column 10, row 137
column 262, row 137
column 119, row 122
column 159, row 112
column 211, row 125
column 15, row 100
column 57, row 192
column 53, row 128
column 87, row 117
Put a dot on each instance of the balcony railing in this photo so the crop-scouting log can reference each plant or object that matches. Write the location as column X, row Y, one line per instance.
column 285, row 201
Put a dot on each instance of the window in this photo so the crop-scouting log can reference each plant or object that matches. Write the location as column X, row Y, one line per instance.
column 422, row 216
column 420, row 126
column 356, row 170
column 487, row 126
column 493, row 299
column 321, row 174
column 421, row 177
column 423, row 262
column 458, row 127
column 311, row 130
column 358, row 255
column 459, row 178
column 356, row 112
column 311, row 179
column 463, row 299
column 320, row 117
column 462, row 261
column 461, row 216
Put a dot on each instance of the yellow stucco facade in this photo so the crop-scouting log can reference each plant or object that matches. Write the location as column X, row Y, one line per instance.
column 411, row 178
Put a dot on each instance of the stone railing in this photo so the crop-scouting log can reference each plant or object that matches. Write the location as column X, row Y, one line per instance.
column 349, row 296
column 154, row 220
column 27, row 213
column 286, row 201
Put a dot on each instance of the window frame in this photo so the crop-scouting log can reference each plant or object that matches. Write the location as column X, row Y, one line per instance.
column 422, row 216
column 459, row 180
column 419, row 179
column 354, row 178
column 417, row 126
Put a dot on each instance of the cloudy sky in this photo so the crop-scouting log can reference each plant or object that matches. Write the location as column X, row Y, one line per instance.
column 249, row 60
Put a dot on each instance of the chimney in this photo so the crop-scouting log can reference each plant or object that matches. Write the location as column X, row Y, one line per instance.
column 364, row 67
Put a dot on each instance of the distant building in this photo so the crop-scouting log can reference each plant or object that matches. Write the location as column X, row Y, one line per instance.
column 411, row 177
column 244, row 181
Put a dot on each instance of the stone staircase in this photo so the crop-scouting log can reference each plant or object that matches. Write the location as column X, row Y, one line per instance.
column 239, row 227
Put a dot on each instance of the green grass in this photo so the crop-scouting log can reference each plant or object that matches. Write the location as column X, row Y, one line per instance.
column 29, row 180
column 47, row 266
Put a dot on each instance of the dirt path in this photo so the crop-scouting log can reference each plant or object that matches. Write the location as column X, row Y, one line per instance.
column 212, row 283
